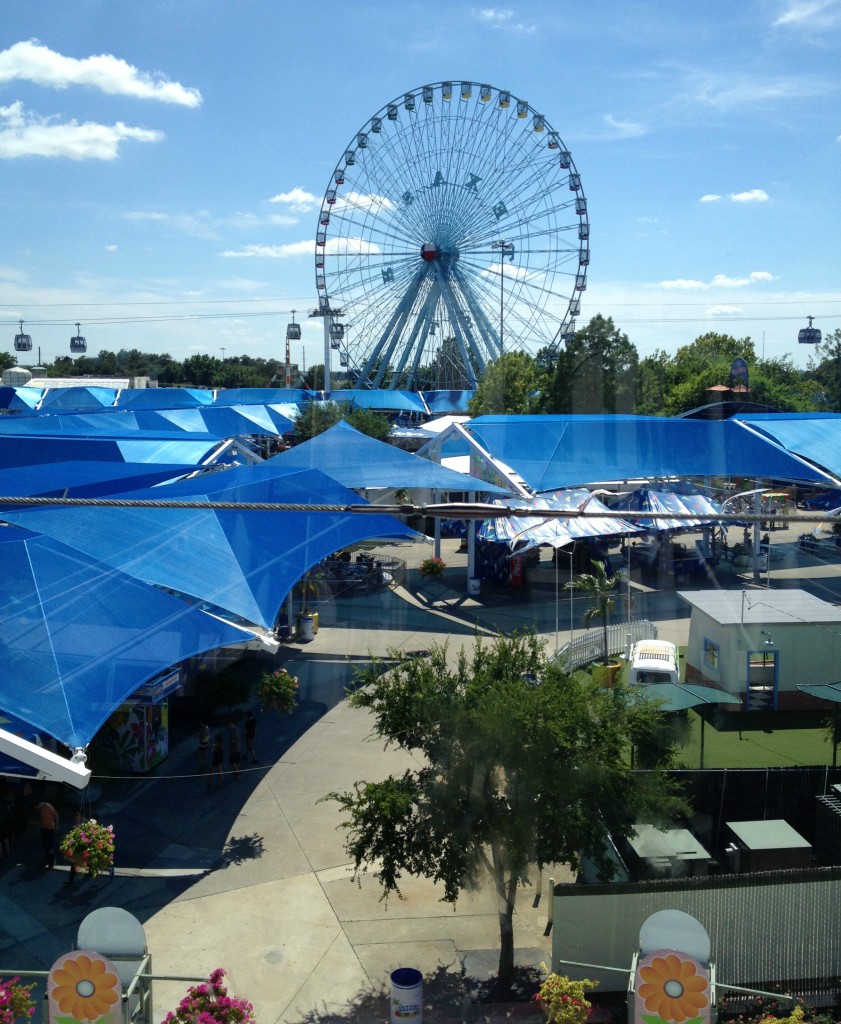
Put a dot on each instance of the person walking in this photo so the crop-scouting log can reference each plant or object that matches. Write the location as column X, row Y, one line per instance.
column 217, row 759
column 204, row 743
column 250, row 732
column 49, row 826
column 233, row 748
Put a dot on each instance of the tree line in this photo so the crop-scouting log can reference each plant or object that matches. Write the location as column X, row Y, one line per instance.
column 598, row 370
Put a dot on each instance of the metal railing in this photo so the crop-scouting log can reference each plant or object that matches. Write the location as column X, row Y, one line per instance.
column 588, row 647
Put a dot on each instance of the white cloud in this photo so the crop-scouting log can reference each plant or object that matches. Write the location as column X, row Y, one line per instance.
column 24, row 135
column 722, row 310
column 32, row 62
column 274, row 252
column 333, row 247
column 681, row 283
column 198, row 225
column 627, row 129
column 710, row 197
column 110, row 248
column 501, row 17
column 298, row 200
column 719, row 281
column 820, row 13
column 363, row 201
column 729, row 90
column 755, row 195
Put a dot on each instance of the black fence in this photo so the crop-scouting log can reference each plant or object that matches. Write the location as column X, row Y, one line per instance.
column 365, row 575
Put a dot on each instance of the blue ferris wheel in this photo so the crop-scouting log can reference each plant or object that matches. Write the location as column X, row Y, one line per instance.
column 454, row 229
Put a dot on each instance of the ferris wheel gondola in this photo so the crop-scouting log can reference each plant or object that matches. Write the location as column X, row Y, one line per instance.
column 454, row 229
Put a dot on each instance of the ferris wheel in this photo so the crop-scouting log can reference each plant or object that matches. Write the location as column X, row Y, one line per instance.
column 454, row 229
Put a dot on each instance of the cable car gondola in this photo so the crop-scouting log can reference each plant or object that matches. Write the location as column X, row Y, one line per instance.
column 23, row 342
column 806, row 335
column 77, row 342
column 293, row 330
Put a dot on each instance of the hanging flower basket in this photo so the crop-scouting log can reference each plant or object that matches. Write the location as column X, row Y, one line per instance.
column 432, row 568
column 90, row 846
column 16, row 1003
column 278, row 690
column 211, row 1004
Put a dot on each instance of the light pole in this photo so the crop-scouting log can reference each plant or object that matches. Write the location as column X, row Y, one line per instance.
column 505, row 249
column 222, row 350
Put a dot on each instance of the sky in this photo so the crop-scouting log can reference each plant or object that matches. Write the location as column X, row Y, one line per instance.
column 162, row 165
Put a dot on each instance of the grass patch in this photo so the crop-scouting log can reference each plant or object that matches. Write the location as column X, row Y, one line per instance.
column 768, row 742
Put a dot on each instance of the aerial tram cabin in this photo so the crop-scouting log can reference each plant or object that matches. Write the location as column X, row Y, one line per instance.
column 809, row 335
column 23, row 342
column 78, row 344
column 293, row 330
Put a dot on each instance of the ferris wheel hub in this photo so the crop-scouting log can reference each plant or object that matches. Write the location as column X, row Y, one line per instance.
column 430, row 252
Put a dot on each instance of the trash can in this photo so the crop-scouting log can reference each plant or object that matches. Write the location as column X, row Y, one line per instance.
column 474, row 585
column 406, row 995
column 314, row 621
column 305, row 627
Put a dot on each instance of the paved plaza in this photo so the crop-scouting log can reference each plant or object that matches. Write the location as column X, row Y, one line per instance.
column 253, row 876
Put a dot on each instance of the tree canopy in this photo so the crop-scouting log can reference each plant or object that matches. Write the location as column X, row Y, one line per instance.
column 520, row 765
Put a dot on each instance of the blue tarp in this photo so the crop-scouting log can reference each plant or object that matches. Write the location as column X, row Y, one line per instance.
column 390, row 401
column 77, row 636
column 359, row 461
column 243, row 561
column 440, row 403
column 163, row 398
column 84, row 479
column 813, row 436
column 34, row 451
column 551, row 452
column 77, row 398
column 23, row 399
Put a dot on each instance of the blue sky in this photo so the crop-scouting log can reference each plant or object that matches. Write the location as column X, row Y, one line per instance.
column 162, row 165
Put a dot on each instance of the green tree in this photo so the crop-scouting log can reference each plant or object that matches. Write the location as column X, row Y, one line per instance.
column 316, row 417
column 595, row 372
column 824, row 368
column 373, row 424
column 509, row 386
column 601, row 589
column 517, row 764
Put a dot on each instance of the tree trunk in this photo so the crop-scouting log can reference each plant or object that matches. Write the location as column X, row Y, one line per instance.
column 505, row 973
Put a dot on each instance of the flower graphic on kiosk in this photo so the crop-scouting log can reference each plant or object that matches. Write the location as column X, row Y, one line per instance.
column 84, row 987
column 673, row 989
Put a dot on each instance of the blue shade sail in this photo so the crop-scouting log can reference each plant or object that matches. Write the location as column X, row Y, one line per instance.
column 78, row 636
column 245, row 562
column 359, row 461
column 551, row 452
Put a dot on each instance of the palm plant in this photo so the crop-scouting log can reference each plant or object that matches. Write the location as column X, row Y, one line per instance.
column 601, row 588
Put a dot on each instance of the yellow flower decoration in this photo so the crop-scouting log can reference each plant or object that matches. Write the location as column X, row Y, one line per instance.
column 673, row 989
column 84, row 989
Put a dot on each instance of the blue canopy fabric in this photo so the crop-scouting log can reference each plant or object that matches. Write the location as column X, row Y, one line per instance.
column 84, row 479
column 813, row 436
column 440, row 403
column 391, row 401
column 245, row 562
column 525, row 533
column 78, row 636
column 21, row 399
column 33, row 451
column 77, row 398
column 163, row 398
column 359, row 461
column 551, row 452
column 251, row 396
